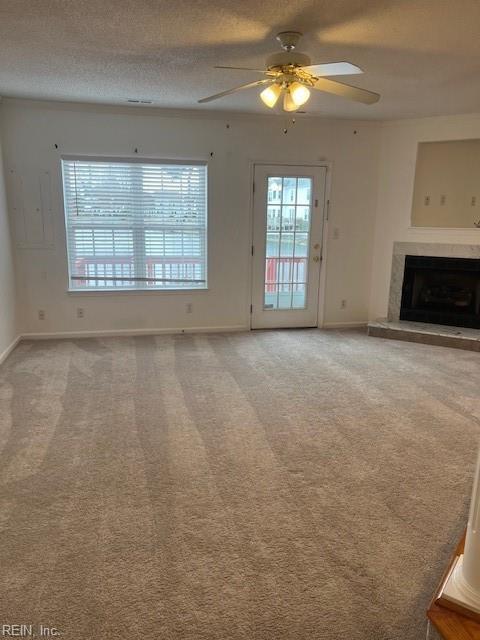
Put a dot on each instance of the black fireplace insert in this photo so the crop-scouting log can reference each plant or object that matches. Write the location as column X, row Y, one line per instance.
column 441, row 291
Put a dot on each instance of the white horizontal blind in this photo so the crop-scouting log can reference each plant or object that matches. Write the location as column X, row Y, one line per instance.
column 135, row 225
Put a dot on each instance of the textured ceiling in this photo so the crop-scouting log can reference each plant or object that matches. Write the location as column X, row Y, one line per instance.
column 423, row 56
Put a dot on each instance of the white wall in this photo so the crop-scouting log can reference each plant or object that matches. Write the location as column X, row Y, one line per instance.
column 32, row 129
column 398, row 152
column 372, row 188
column 7, row 280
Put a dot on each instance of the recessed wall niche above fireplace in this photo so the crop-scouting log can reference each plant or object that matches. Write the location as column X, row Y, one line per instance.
column 447, row 178
column 441, row 290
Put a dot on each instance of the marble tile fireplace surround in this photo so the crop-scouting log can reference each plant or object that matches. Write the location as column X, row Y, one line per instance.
column 393, row 327
column 402, row 249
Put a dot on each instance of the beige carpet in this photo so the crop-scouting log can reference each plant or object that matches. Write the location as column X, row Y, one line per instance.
column 274, row 485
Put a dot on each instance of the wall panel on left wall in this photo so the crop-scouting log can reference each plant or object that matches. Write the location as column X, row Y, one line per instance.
column 8, row 332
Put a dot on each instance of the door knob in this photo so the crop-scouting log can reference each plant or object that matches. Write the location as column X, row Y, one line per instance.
column 316, row 246
column 316, row 258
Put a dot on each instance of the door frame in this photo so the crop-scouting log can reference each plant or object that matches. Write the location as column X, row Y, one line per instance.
column 327, row 165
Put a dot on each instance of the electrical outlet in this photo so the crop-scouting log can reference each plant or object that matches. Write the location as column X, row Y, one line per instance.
column 188, row 307
column 41, row 314
column 443, row 199
column 80, row 312
column 426, row 201
column 473, row 201
column 343, row 304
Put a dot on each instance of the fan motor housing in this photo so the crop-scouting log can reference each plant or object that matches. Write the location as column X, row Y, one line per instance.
column 287, row 58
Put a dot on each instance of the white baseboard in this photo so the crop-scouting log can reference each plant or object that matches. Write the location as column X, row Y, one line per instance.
column 58, row 335
column 130, row 332
column 4, row 355
column 345, row 325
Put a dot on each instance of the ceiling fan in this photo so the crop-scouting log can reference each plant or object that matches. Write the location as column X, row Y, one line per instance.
column 291, row 73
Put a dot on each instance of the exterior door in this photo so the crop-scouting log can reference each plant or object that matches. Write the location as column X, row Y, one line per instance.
column 287, row 245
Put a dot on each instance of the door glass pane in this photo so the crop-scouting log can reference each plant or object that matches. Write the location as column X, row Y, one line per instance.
column 288, row 218
column 304, row 191
column 271, row 296
column 273, row 245
column 287, row 242
column 289, row 190
column 271, row 274
column 302, row 218
column 285, row 270
column 286, row 245
column 298, row 297
column 273, row 218
column 299, row 270
column 301, row 245
column 274, row 190
column 284, row 296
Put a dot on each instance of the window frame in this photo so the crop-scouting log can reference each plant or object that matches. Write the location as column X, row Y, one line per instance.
column 140, row 160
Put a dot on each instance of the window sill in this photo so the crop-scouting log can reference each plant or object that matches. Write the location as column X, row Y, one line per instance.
column 137, row 292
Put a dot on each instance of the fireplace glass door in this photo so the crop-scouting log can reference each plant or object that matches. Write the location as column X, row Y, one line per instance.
column 441, row 291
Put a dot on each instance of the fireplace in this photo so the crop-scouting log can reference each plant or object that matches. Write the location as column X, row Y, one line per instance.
column 441, row 291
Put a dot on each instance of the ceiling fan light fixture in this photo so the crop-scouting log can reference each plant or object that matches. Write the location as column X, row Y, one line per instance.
column 299, row 93
column 292, row 74
column 270, row 95
column 288, row 103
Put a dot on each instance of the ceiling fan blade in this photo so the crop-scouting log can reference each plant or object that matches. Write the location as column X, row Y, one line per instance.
column 240, row 69
column 257, row 83
column 346, row 91
column 333, row 69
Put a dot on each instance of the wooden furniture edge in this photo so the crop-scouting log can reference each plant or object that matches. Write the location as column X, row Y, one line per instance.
column 450, row 624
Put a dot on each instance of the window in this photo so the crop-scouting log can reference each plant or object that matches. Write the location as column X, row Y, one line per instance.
column 135, row 225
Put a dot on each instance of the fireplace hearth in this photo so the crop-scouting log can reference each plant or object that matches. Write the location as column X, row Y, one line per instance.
column 441, row 290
